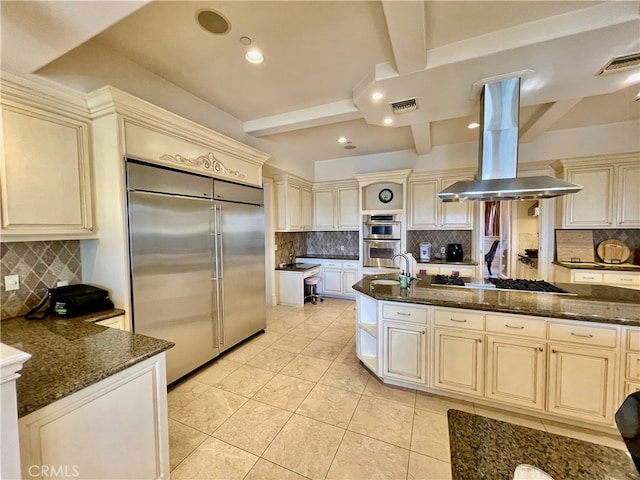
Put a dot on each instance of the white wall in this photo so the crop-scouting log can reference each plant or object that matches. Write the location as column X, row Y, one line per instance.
column 579, row 142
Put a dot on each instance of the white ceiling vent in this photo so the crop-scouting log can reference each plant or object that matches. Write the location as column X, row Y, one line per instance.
column 404, row 106
column 621, row 63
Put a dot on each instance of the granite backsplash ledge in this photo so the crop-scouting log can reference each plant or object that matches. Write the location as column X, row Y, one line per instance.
column 39, row 266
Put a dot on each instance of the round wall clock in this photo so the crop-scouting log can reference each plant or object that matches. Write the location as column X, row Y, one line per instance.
column 385, row 195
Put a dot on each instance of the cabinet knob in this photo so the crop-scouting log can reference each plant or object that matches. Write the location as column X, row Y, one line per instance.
column 553, row 351
column 541, row 349
column 423, row 332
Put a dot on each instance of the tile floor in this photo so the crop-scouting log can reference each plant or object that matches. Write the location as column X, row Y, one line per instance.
column 295, row 403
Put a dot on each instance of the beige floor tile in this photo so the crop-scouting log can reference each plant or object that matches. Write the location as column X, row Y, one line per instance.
column 323, row 350
column 348, row 356
column 329, row 405
column 327, row 314
column 346, row 377
column 345, row 320
column 438, row 404
column 246, row 380
column 337, row 335
column 209, row 410
column 243, row 352
column 253, row 426
column 284, row 392
column 272, row 359
column 182, row 441
column 292, row 321
column 600, row 438
column 292, row 343
column 268, row 338
column 308, row 329
column 215, row 459
column 505, row 416
column 361, row 457
column 375, row 388
column 422, row 467
column 306, row 368
column 305, row 446
column 184, row 393
column 431, row 435
column 213, row 374
column 277, row 326
column 384, row 420
column 264, row 470
column 319, row 320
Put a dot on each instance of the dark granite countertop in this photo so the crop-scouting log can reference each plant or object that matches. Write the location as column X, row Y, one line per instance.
column 595, row 303
column 331, row 257
column 298, row 267
column 483, row 448
column 620, row 267
column 442, row 261
column 68, row 355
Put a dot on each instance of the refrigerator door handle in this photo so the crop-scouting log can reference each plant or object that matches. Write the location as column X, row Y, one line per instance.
column 220, row 271
column 214, row 273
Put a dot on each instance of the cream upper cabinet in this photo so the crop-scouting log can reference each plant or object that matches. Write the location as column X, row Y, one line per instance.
column 427, row 211
column 45, row 168
column 348, row 210
column 294, row 204
column 336, row 206
column 324, row 217
column 610, row 197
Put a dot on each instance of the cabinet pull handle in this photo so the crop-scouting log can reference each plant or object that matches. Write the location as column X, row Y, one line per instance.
column 582, row 335
column 464, row 320
column 404, row 314
column 517, row 327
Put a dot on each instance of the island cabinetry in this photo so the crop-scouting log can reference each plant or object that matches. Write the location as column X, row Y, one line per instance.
column 294, row 204
column 367, row 348
column 631, row 362
column 583, row 363
column 458, row 352
column 336, row 206
column 113, row 322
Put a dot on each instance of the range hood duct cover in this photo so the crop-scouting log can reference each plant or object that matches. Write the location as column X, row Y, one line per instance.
column 498, row 155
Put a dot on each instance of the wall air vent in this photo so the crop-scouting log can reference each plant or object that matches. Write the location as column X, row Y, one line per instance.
column 404, row 106
column 621, row 63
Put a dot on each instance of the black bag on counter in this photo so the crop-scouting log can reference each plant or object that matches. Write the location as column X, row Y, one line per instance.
column 72, row 301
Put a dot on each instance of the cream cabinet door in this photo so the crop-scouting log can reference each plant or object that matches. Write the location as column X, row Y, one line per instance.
column 324, row 217
column 455, row 215
column 628, row 214
column 332, row 281
column 349, row 277
column 516, row 371
column 582, row 383
column 348, row 211
column 113, row 322
column 306, row 206
column 294, row 204
column 45, row 175
column 405, row 347
column 458, row 361
column 593, row 205
column 423, row 204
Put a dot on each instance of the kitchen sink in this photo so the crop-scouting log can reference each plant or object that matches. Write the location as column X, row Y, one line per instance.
column 385, row 281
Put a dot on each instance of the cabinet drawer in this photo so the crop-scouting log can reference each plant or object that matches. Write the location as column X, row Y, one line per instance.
column 350, row 265
column 587, row 277
column 333, row 265
column 633, row 340
column 459, row 319
column 586, row 335
column 395, row 311
column 633, row 366
column 516, row 325
column 630, row 387
column 624, row 279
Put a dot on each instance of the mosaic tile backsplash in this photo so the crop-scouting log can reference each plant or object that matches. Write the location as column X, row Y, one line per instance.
column 294, row 243
column 630, row 236
column 39, row 266
column 438, row 238
column 330, row 243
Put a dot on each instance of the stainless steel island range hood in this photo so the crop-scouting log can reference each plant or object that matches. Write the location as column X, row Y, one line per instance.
column 498, row 157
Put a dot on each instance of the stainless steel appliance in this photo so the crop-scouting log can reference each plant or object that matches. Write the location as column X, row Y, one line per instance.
column 381, row 227
column 380, row 253
column 197, row 262
column 425, row 252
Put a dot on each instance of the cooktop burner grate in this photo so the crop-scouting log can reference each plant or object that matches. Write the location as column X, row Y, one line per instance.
column 447, row 280
column 526, row 285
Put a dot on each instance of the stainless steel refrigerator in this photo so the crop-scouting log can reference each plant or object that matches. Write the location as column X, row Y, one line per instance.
column 197, row 262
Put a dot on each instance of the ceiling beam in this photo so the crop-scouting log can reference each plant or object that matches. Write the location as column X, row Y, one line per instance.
column 544, row 119
column 406, row 24
column 335, row 112
column 422, row 138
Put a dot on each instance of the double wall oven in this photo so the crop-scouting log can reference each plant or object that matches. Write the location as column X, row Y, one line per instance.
column 381, row 237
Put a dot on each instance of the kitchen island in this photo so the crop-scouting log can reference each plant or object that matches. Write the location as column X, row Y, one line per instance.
column 91, row 400
column 570, row 357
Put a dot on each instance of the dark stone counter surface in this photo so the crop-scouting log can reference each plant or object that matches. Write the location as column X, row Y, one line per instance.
column 596, row 303
column 442, row 261
column 616, row 267
column 298, row 267
column 68, row 355
column 483, row 448
column 331, row 257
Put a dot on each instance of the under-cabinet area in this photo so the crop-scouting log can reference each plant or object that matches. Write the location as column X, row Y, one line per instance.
column 572, row 370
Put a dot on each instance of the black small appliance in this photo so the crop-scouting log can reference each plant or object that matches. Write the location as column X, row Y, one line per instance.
column 454, row 252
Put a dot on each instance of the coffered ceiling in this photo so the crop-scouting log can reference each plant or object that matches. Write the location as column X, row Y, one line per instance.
column 324, row 59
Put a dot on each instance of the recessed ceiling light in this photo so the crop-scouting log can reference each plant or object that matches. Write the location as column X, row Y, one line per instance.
column 254, row 56
column 388, row 121
column 342, row 140
column 376, row 95
column 473, row 125
column 349, row 146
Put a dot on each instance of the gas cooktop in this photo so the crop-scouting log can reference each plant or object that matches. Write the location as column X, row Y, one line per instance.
column 498, row 284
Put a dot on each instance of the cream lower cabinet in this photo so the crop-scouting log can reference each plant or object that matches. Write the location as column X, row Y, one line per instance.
column 458, row 361
column 516, row 370
column 405, row 347
column 582, row 382
column 114, row 322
